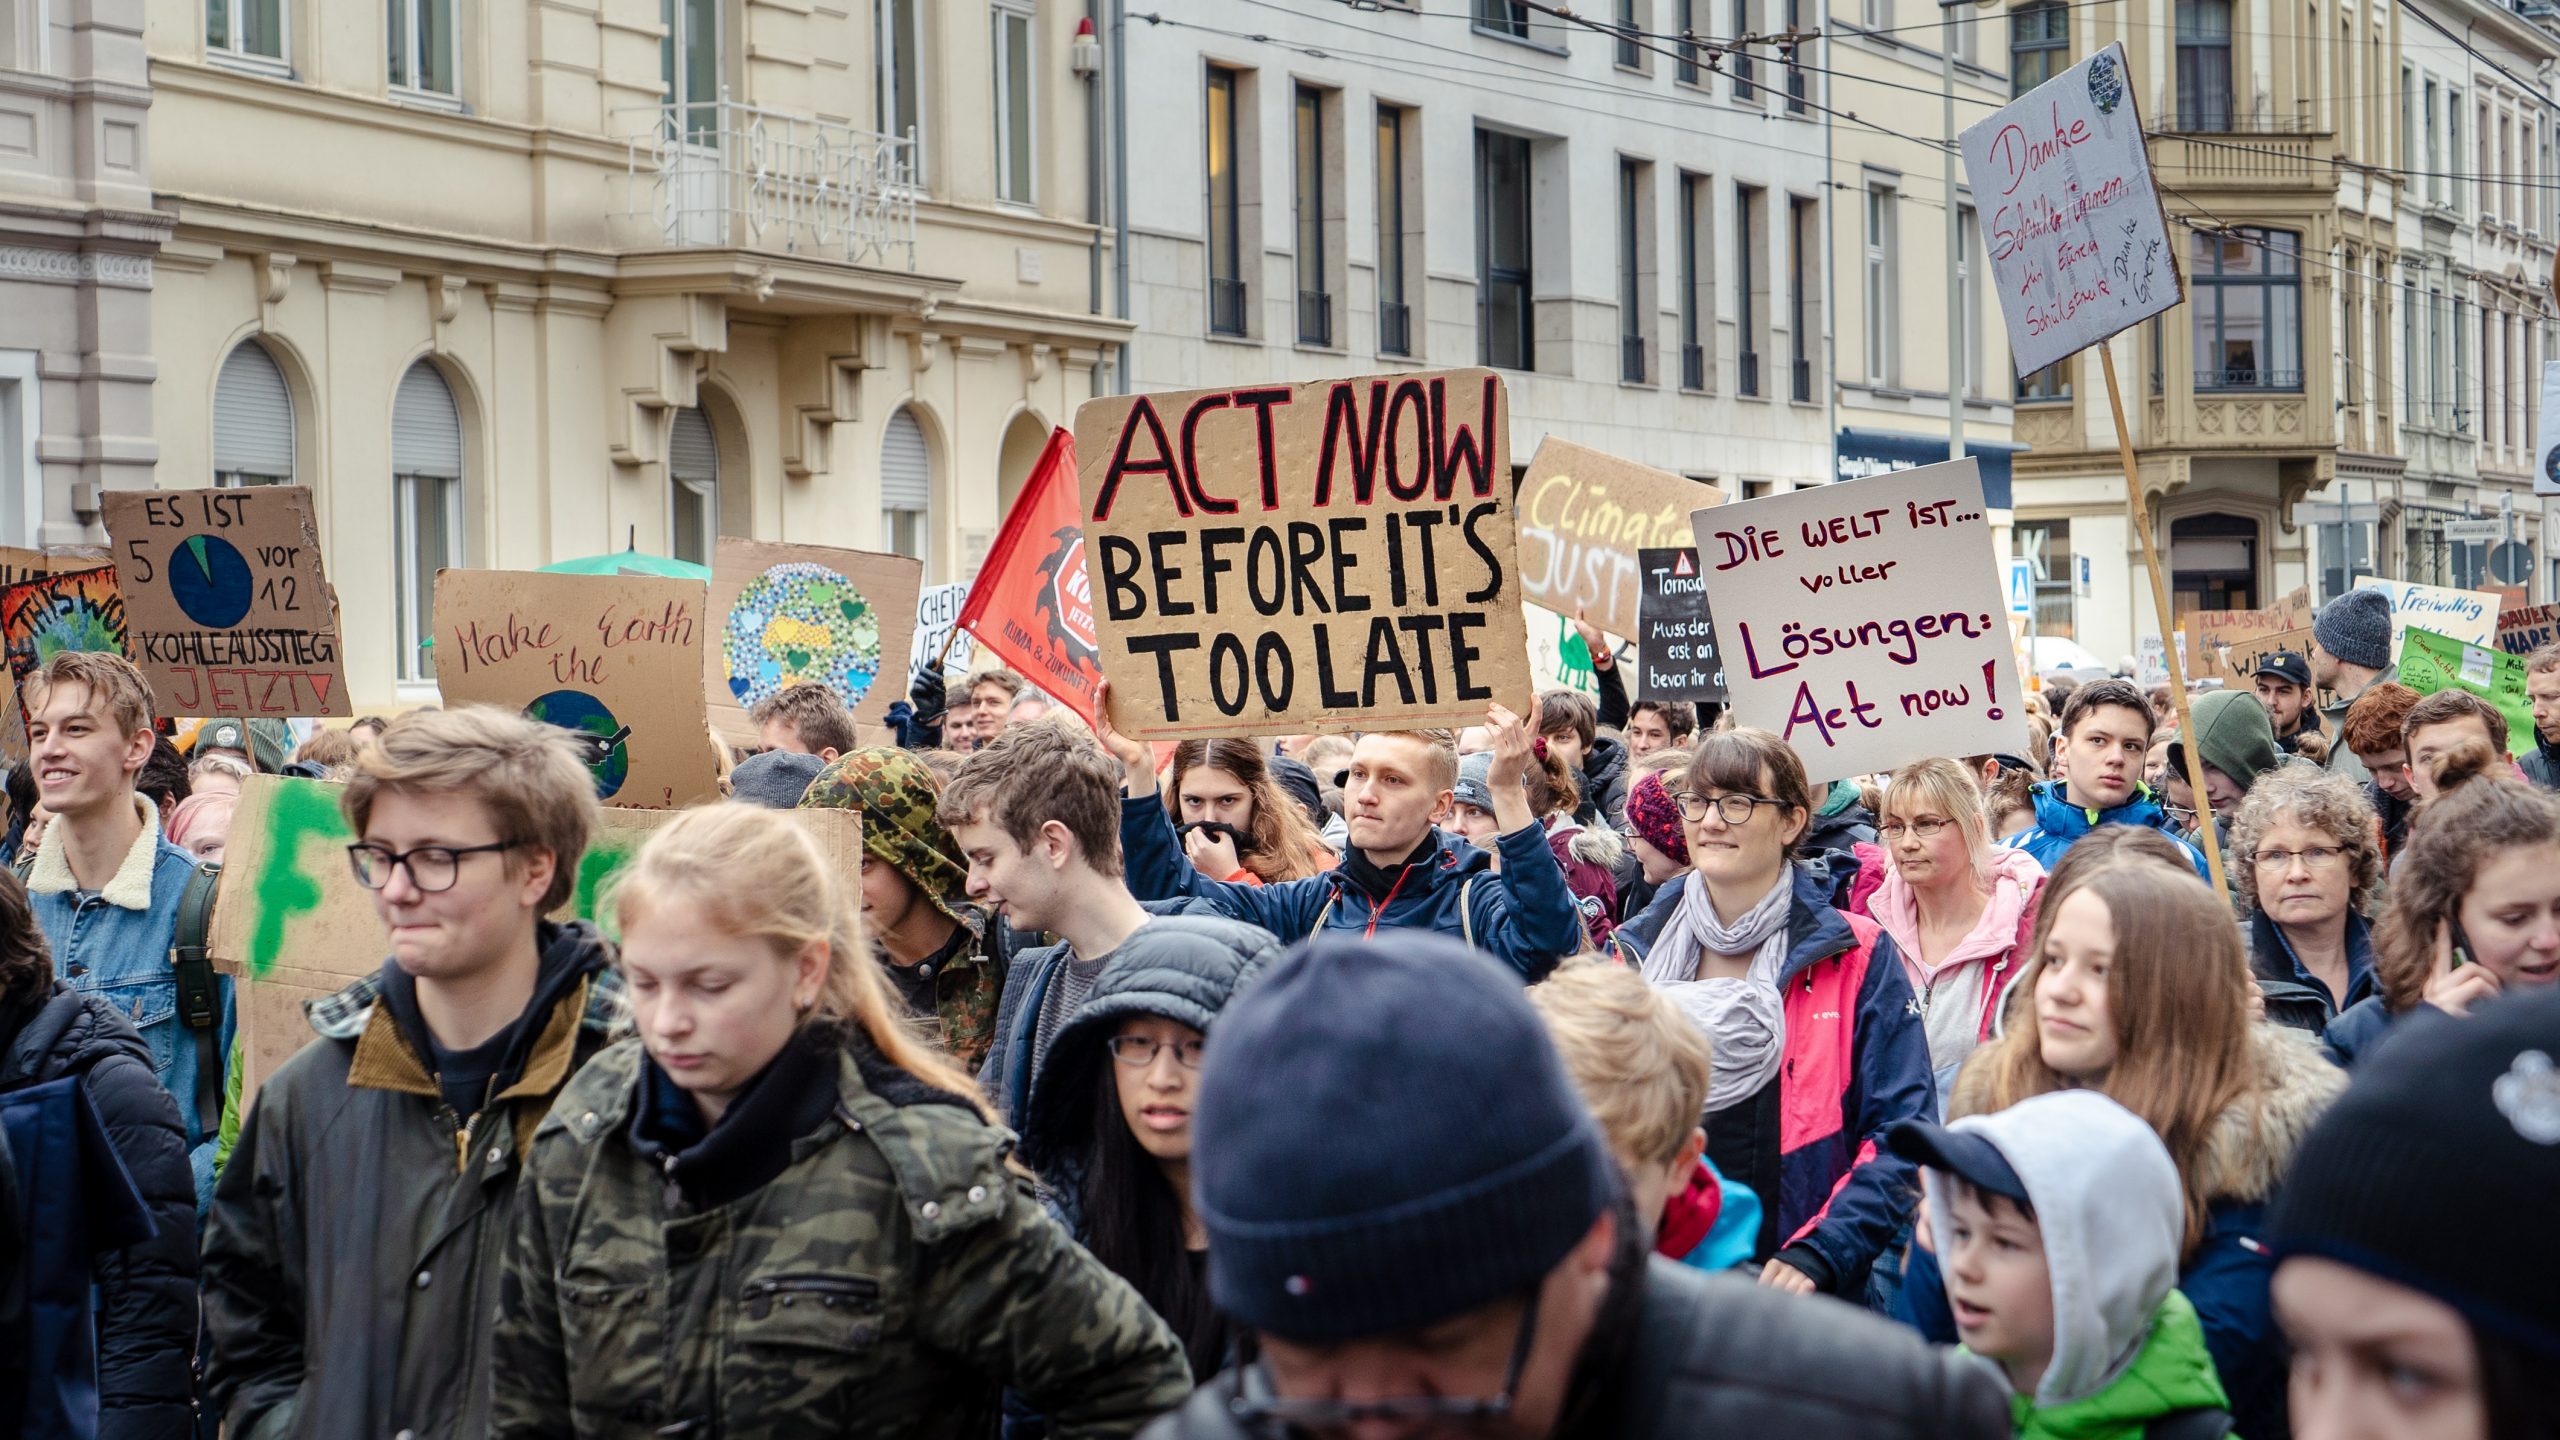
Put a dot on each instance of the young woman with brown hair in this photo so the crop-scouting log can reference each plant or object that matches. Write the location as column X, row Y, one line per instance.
column 1234, row 821
column 2157, row 1017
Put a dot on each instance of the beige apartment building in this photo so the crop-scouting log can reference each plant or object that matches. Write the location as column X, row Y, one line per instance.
column 518, row 280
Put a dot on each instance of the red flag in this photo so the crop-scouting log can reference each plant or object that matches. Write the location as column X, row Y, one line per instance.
column 1031, row 603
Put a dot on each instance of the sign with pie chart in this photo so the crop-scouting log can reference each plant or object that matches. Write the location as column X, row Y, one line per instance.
column 210, row 581
column 228, row 608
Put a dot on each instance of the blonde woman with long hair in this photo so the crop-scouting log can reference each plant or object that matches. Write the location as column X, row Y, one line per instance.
column 776, row 1211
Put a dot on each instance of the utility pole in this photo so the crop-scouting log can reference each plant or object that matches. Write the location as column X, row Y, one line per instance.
column 1962, row 322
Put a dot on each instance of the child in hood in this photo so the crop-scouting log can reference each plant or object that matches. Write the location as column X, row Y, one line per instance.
column 2057, row 1223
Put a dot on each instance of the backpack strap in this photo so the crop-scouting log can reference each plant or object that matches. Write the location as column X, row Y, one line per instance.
column 2209, row 1422
column 199, row 999
column 1326, row 913
column 1467, row 910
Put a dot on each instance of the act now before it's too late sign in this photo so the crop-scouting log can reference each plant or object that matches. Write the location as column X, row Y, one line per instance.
column 2079, row 247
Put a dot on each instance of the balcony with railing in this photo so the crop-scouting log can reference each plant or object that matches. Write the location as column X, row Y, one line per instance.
column 1226, row 306
column 726, row 175
column 1693, row 367
column 1315, row 317
column 2242, row 158
column 1631, row 359
column 1395, row 328
column 1747, row 372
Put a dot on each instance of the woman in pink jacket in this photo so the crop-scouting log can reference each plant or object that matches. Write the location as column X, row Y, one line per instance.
column 1958, row 910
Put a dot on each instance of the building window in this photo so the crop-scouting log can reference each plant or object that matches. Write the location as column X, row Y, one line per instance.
column 1226, row 218
column 2438, row 391
column 1505, row 318
column 2453, row 164
column 2204, row 64
column 1750, row 294
column 1631, row 273
column 1968, row 306
column 1882, row 293
column 245, row 27
column 1800, row 283
column 900, row 72
column 1395, row 312
column 693, row 487
column 1017, row 107
column 1697, row 280
column 1503, row 17
column 2408, row 122
column 2213, row 562
column 422, row 46
column 426, row 512
column 1684, row 67
column 1315, row 303
column 1629, row 54
column 253, row 428
column 2435, row 156
column 1742, row 62
column 2461, row 382
column 2053, row 382
column 2247, row 302
column 2048, row 544
column 2039, row 44
column 906, row 490
column 689, row 63
column 1797, row 103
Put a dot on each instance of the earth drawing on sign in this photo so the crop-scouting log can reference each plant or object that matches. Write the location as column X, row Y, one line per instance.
column 604, row 742
column 796, row 623
column 210, row 581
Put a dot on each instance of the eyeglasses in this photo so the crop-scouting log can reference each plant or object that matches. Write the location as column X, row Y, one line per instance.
column 1139, row 1051
column 1267, row 1416
column 2318, row 857
column 432, row 868
column 1736, row 809
column 1926, row 827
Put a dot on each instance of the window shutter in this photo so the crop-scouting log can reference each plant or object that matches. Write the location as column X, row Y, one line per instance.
column 906, row 468
column 426, row 432
column 252, row 415
column 691, row 452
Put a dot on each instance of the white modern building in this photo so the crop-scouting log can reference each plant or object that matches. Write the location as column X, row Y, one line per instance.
column 1629, row 226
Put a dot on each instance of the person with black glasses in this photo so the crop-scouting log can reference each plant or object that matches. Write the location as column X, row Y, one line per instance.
column 351, row 1264
column 1422, row 1231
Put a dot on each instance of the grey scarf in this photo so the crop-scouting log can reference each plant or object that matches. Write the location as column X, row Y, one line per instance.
column 1745, row 1019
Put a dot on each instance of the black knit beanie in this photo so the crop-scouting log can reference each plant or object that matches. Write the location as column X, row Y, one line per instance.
column 1385, row 1139
column 2436, row 1170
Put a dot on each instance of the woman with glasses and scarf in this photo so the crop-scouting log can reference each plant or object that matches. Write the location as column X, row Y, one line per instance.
column 2307, row 858
column 1751, row 947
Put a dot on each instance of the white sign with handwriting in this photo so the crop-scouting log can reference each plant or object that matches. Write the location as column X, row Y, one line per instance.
column 2079, row 247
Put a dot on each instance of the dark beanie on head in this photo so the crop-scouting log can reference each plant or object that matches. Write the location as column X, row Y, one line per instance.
column 1386, row 1139
column 2356, row 627
column 2437, row 1168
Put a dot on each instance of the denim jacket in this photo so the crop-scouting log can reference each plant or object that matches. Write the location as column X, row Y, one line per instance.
column 115, row 945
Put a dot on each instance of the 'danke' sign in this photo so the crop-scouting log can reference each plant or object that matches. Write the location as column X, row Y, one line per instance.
column 2079, row 247
column 1336, row 555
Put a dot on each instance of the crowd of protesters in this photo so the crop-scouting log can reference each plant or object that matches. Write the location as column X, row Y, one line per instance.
column 1596, row 1071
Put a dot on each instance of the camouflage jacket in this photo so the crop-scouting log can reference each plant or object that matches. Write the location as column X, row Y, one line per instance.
column 968, row 981
column 889, row 1282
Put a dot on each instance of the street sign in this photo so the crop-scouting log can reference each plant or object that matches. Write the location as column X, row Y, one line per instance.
column 2022, row 587
column 2475, row 532
column 2084, row 577
column 2510, row 563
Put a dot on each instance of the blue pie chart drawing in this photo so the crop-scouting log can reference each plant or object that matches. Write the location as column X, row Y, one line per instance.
column 210, row 581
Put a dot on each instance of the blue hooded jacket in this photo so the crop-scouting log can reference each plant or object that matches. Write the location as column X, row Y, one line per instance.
column 1523, row 917
column 2060, row 824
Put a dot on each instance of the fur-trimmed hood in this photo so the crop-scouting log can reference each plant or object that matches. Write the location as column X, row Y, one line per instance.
column 128, row 889
column 2252, row 1143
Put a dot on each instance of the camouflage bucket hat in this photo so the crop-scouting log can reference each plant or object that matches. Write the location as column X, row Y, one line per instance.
column 896, row 795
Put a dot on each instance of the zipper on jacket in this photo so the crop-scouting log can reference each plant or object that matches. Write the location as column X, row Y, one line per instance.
column 828, row 1290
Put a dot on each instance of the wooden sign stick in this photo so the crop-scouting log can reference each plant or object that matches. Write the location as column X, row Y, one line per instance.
column 2168, row 627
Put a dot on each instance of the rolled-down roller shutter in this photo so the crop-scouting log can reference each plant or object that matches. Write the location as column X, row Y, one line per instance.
column 426, row 430
column 906, row 467
column 252, row 416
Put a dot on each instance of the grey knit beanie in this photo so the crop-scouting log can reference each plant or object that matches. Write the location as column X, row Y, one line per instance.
column 1386, row 1139
column 2356, row 628
column 775, row 779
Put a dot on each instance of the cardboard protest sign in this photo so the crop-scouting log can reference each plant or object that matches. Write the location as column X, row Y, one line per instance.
column 1032, row 603
column 790, row 614
column 2079, row 245
column 2214, row 632
column 2525, row 629
column 1583, row 517
column 1329, row 556
column 2430, row 662
column 70, row 610
column 2470, row 616
column 2294, row 608
column 292, row 924
column 1676, row 641
column 1559, row 658
column 1864, row 621
column 16, row 568
column 614, row 659
column 2242, row 657
column 2151, row 661
column 227, row 609
column 938, row 622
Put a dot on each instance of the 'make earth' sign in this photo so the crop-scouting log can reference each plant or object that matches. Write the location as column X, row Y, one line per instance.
column 1329, row 556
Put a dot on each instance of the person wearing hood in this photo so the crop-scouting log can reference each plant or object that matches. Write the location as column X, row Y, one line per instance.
column 1959, row 911
column 1812, row 1000
column 351, row 1264
column 1400, row 871
column 1429, row 1238
column 2351, row 644
column 2415, row 1274
column 1109, row 1126
column 2156, row 1016
column 1569, row 722
column 946, row 957
column 2306, row 859
column 2237, row 743
column 2058, row 1222
column 103, row 1250
column 2105, row 736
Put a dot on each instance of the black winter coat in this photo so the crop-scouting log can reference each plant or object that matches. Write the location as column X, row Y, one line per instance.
column 146, row 1291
